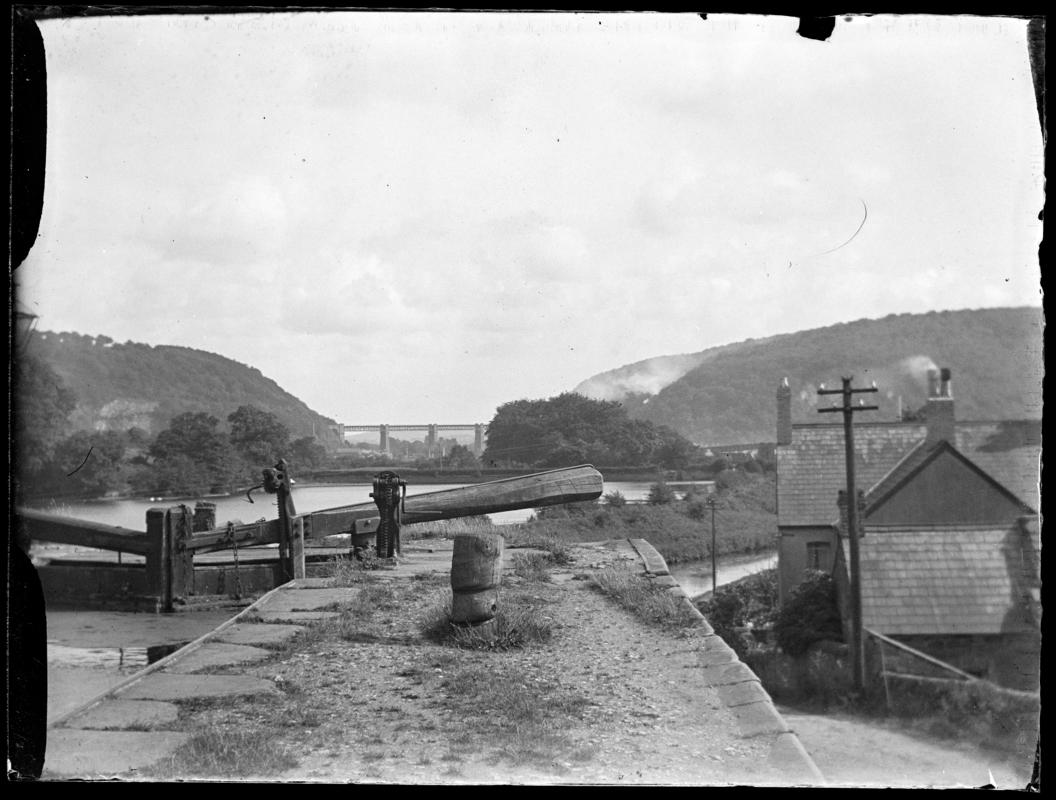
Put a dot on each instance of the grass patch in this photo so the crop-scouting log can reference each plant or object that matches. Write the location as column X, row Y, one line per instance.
column 228, row 753
column 652, row 603
column 514, row 626
column 344, row 572
column 532, row 566
column 541, row 536
column 745, row 522
column 446, row 528
column 523, row 713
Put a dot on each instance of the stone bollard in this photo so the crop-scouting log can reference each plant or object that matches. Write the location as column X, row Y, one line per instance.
column 476, row 575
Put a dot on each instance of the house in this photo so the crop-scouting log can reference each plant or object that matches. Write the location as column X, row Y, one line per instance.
column 948, row 520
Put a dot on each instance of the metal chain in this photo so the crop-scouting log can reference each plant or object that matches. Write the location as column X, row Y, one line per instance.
column 234, row 552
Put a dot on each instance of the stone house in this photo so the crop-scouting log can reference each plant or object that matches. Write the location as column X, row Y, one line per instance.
column 950, row 540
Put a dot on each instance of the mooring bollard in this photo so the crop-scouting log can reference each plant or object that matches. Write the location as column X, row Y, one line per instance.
column 476, row 575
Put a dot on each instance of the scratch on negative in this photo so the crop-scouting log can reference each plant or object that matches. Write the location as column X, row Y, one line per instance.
column 865, row 216
column 68, row 474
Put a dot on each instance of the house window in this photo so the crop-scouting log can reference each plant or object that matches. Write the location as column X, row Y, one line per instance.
column 818, row 556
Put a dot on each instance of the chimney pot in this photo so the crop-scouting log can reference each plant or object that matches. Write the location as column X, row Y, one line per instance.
column 933, row 383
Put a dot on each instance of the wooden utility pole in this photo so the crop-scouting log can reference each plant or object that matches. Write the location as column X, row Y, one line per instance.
column 710, row 503
column 847, row 409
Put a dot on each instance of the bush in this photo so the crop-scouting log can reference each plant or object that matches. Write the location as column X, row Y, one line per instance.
column 810, row 615
column 661, row 494
column 615, row 499
column 750, row 602
column 698, row 510
column 694, row 491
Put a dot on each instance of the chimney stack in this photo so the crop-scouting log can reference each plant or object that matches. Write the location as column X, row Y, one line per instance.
column 784, row 413
column 933, row 383
column 939, row 411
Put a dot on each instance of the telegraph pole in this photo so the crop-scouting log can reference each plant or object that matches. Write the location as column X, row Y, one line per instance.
column 848, row 409
column 710, row 503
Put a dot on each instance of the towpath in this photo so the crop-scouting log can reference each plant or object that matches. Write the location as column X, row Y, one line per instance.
column 382, row 704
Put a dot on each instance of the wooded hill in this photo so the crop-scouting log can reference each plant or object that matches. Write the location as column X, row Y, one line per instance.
column 726, row 395
column 120, row 386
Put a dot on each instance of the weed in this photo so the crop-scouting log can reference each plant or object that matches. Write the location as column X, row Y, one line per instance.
column 513, row 626
column 523, row 712
column 350, row 571
column 650, row 602
column 446, row 528
column 531, row 566
column 228, row 753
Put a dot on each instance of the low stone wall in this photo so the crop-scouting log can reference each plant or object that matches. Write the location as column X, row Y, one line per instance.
column 739, row 688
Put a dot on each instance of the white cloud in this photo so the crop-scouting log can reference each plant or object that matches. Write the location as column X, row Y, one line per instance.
column 515, row 203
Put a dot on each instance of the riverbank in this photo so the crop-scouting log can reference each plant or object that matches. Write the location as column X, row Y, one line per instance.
column 365, row 476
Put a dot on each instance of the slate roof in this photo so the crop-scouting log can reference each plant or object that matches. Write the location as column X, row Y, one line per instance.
column 811, row 469
column 947, row 580
column 914, row 461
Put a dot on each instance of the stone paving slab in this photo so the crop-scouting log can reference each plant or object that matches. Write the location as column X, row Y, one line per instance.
column 757, row 719
column 312, row 583
column 119, row 714
column 305, row 599
column 296, row 617
column 666, row 582
column 654, row 562
column 716, row 651
column 217, row 654
column 739, row 694
column 95, row 754
column 174, row 686
column 257, row 633
column 733, row 672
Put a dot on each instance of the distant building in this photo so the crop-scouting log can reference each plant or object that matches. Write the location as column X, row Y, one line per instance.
column 948, row 517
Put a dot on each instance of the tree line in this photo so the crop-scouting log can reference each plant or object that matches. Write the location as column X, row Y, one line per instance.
column 198, row 453
column 195, row 454
column 572, row 429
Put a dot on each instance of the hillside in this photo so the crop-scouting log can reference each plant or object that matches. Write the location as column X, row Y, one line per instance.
column 119, row 386
column 725, row 395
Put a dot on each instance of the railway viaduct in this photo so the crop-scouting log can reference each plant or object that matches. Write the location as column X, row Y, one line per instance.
column 432, row 433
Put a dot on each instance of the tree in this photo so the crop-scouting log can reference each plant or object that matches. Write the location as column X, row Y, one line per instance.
column 661, row 494
column 194, row 437
column 675, row 451
column 306, row 453
column 258, row 435
column 92, row 463
column 42, row 407
column 571, row 429
column 461, row 457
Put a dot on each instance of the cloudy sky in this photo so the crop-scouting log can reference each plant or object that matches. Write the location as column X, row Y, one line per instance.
column 415, row 218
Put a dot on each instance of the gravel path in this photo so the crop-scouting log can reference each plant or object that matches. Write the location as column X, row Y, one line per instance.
column 383, row 705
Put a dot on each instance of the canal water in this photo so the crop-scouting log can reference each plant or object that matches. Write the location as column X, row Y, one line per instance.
column 695, row 577
column 132, row 513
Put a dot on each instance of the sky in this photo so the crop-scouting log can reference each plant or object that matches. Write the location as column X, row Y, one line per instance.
column 413, row 218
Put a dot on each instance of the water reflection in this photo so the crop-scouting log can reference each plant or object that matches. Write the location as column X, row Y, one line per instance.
column 120, row 659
